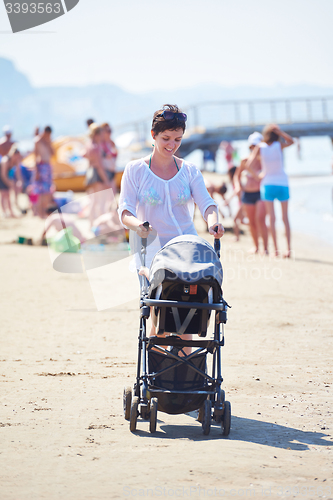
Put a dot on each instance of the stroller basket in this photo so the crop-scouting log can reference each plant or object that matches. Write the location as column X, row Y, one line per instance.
column 172, row 385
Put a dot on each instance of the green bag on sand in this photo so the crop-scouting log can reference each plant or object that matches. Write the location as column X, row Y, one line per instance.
column 64, row 241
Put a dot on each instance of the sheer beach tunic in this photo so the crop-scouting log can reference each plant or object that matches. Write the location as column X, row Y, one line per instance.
column 168, row 205
column 272, row 164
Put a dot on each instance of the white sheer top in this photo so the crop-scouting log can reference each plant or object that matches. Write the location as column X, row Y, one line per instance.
column 168, row 205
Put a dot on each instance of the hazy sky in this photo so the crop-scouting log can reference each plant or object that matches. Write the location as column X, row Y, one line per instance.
column 143, row 45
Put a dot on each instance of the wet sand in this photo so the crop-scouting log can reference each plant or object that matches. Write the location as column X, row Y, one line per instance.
column 64, row 366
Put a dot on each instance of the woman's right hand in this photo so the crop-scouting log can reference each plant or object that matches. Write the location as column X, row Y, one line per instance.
column 142, row 231
column 274, row 128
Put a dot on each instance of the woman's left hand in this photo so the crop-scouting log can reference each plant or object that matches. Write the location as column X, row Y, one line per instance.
column 217, row 230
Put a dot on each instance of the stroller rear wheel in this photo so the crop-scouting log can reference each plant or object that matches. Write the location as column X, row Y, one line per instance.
column 226, row 420
column 127, row 400
column 207, row 417
column 153, row 414
column 134, row 413
column 218, row 407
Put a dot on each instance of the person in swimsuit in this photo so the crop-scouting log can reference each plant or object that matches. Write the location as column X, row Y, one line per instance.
column 7, row 163
column 19, row 174
column 96, row 177
column 274, row 180
column 162, row 188
column 6, row 141
column 228, row 151
column 249, row 188
column 43, row 181
column 109, row 154
column 5, row 144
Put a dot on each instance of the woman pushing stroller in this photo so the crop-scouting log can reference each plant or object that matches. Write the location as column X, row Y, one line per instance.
column 185, row 283
column 162, row 188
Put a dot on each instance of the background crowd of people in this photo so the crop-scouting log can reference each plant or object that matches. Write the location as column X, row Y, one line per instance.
column 257, row 182
column 38, row 182
column 247, row 197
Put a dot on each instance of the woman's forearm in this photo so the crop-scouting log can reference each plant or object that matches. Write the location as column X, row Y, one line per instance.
column 130, row 221
column 133, row 223
column 214, row 227
column 236, row 179
column 289, row 140
column 211, row 215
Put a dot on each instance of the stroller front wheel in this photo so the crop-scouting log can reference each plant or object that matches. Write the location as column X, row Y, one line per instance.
column 127, row 400
column 226, row 419
column 153, row 414
column 134, row 413
column 207, row 417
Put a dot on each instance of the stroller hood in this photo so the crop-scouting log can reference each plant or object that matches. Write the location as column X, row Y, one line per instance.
column 187, row 258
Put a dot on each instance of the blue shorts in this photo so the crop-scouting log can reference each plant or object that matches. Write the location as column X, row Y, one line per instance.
column 271, row 193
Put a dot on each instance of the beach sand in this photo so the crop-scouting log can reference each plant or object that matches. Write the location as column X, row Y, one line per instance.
column 64, row 366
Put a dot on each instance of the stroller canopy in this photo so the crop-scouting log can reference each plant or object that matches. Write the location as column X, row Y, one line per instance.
column 187, row 258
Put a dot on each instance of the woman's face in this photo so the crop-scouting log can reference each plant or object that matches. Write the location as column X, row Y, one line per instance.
column 17, row 158
column 167, row 142
column 106, row 133
column 97, row 137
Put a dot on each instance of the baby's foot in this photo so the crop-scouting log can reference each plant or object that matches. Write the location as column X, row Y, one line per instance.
column 144, row 271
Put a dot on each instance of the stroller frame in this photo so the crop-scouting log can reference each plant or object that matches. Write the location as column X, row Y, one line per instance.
column 148, row 396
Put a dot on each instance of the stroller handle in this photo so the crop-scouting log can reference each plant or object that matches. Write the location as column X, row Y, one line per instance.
column 217, row 243
column 143, row 281
column 144, row 240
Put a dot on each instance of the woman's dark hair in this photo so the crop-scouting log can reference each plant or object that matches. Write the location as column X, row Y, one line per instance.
column 222, row 189
column 159, row 124
column 231, row 172
column 269, row 135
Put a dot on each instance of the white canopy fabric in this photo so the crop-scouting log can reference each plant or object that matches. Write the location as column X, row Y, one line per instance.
column 187, row 258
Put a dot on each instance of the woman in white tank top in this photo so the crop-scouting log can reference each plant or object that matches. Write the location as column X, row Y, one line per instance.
column 274, row 180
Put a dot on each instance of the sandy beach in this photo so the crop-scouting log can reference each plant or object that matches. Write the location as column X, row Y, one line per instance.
column 64, row 366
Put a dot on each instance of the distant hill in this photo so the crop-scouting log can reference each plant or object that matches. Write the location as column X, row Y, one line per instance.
column 13, row 84
column 67, row 108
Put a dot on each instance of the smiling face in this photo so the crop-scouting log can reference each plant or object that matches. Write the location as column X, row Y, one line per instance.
column 17, row 158
column 106, row 132
column 168, row 141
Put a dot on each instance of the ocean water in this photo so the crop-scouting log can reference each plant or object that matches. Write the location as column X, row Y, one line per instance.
column 311, row 206
column 310, row 171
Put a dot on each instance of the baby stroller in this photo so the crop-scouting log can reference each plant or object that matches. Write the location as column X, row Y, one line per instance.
column 184, row 290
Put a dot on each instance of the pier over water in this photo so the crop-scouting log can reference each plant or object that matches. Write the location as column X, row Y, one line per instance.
column 209, row 123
